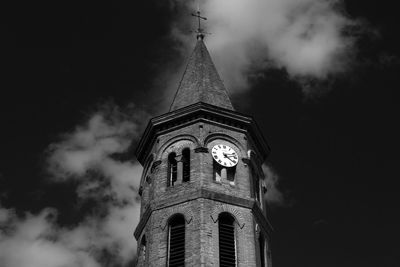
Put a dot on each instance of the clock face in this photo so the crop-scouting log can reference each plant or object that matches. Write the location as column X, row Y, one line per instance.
column 224, row 155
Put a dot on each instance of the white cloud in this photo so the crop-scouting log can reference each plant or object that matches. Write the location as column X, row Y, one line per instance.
column 86, row 155
column 35, row 241
column 273, row 195
column 306, row 37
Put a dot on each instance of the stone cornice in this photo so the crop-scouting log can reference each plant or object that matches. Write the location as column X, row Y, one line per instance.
column 199, row 112
column 205, row 194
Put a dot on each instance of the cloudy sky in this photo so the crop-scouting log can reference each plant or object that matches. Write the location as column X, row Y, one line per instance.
column 79, row 83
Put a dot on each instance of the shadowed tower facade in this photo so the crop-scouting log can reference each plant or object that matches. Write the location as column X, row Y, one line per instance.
column 202, row 186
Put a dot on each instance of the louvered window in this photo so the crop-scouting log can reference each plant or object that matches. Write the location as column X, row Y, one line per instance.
column 227, row 246
column 176, row 242
column 186, row 164
column 172, row 169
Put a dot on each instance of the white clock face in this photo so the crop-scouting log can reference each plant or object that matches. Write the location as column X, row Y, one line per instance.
column 224, row 155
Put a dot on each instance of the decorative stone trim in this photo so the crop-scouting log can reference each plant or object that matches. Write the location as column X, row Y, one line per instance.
column 199, row 112
column 187, row 213
column 155, row 166
column 177, row 143
column 218, row 209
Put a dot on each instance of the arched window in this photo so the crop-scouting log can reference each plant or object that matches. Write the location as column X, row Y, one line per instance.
column 230, row 174
column 222, row 173
column 176, row 241
column 261, row 243
column 227, row 245
column 186, row 165
column 172, row 169
column 178, row 167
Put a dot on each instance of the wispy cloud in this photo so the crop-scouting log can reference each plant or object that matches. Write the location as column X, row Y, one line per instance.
column 274, row 196
column 90, row 155
column 310, row 39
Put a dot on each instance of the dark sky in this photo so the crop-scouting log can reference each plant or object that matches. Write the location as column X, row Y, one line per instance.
column 336, row 153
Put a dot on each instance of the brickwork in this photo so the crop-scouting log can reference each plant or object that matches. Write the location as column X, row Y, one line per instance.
column 203, row 198
column 201, row 213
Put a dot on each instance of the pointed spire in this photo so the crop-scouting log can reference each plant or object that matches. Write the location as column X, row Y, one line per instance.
column 201, row 82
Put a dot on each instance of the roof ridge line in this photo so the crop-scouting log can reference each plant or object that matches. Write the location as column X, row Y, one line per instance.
column 180, row 82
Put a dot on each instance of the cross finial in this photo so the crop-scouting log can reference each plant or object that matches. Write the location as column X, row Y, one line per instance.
column 200, row 31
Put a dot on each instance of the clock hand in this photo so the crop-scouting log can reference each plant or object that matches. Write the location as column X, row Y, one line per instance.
column 228, row 158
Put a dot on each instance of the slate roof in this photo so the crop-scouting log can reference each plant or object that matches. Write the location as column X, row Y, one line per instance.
column 201, row 82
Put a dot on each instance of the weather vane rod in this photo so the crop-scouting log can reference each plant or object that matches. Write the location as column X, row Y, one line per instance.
column 200, row 31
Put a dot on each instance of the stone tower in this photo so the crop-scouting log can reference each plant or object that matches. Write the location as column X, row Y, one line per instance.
column 202, row 185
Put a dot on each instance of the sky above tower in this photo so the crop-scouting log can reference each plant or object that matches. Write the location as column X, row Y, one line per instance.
column 79, row 83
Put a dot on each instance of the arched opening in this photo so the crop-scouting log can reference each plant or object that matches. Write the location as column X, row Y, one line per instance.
column 222, row 173
column 227, row 241
column 172, row 169
column 176, row 241
column 186, row 165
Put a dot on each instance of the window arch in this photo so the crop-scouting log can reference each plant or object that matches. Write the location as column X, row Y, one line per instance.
column 178, row 167
column 176, row 241
column 172, row 169
column 227, row 241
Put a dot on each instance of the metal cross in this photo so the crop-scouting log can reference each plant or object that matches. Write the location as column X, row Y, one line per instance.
column 199, row 17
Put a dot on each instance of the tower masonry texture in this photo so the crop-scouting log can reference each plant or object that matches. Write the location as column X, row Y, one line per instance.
column 184, row 178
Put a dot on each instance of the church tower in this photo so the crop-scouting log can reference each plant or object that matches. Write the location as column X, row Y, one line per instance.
column 202, row 186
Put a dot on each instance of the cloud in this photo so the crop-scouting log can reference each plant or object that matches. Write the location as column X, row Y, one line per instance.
column 273, row 196
column 35, row 241
column 308, row 38
column 92, row 155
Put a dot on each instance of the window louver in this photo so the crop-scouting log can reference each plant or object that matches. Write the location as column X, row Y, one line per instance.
column 176, row 256
column 227, row 250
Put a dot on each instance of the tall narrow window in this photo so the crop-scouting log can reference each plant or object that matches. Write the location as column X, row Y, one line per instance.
column 186, row 165
column 176, row 241
column 261, row 243
column 172, row 169
column 223, row 173
column 230, row 174
column 227, row 246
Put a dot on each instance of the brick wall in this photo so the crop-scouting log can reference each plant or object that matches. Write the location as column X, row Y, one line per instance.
column 201, row 200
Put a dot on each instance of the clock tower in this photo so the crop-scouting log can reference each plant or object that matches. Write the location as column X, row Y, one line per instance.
column 202, row 186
